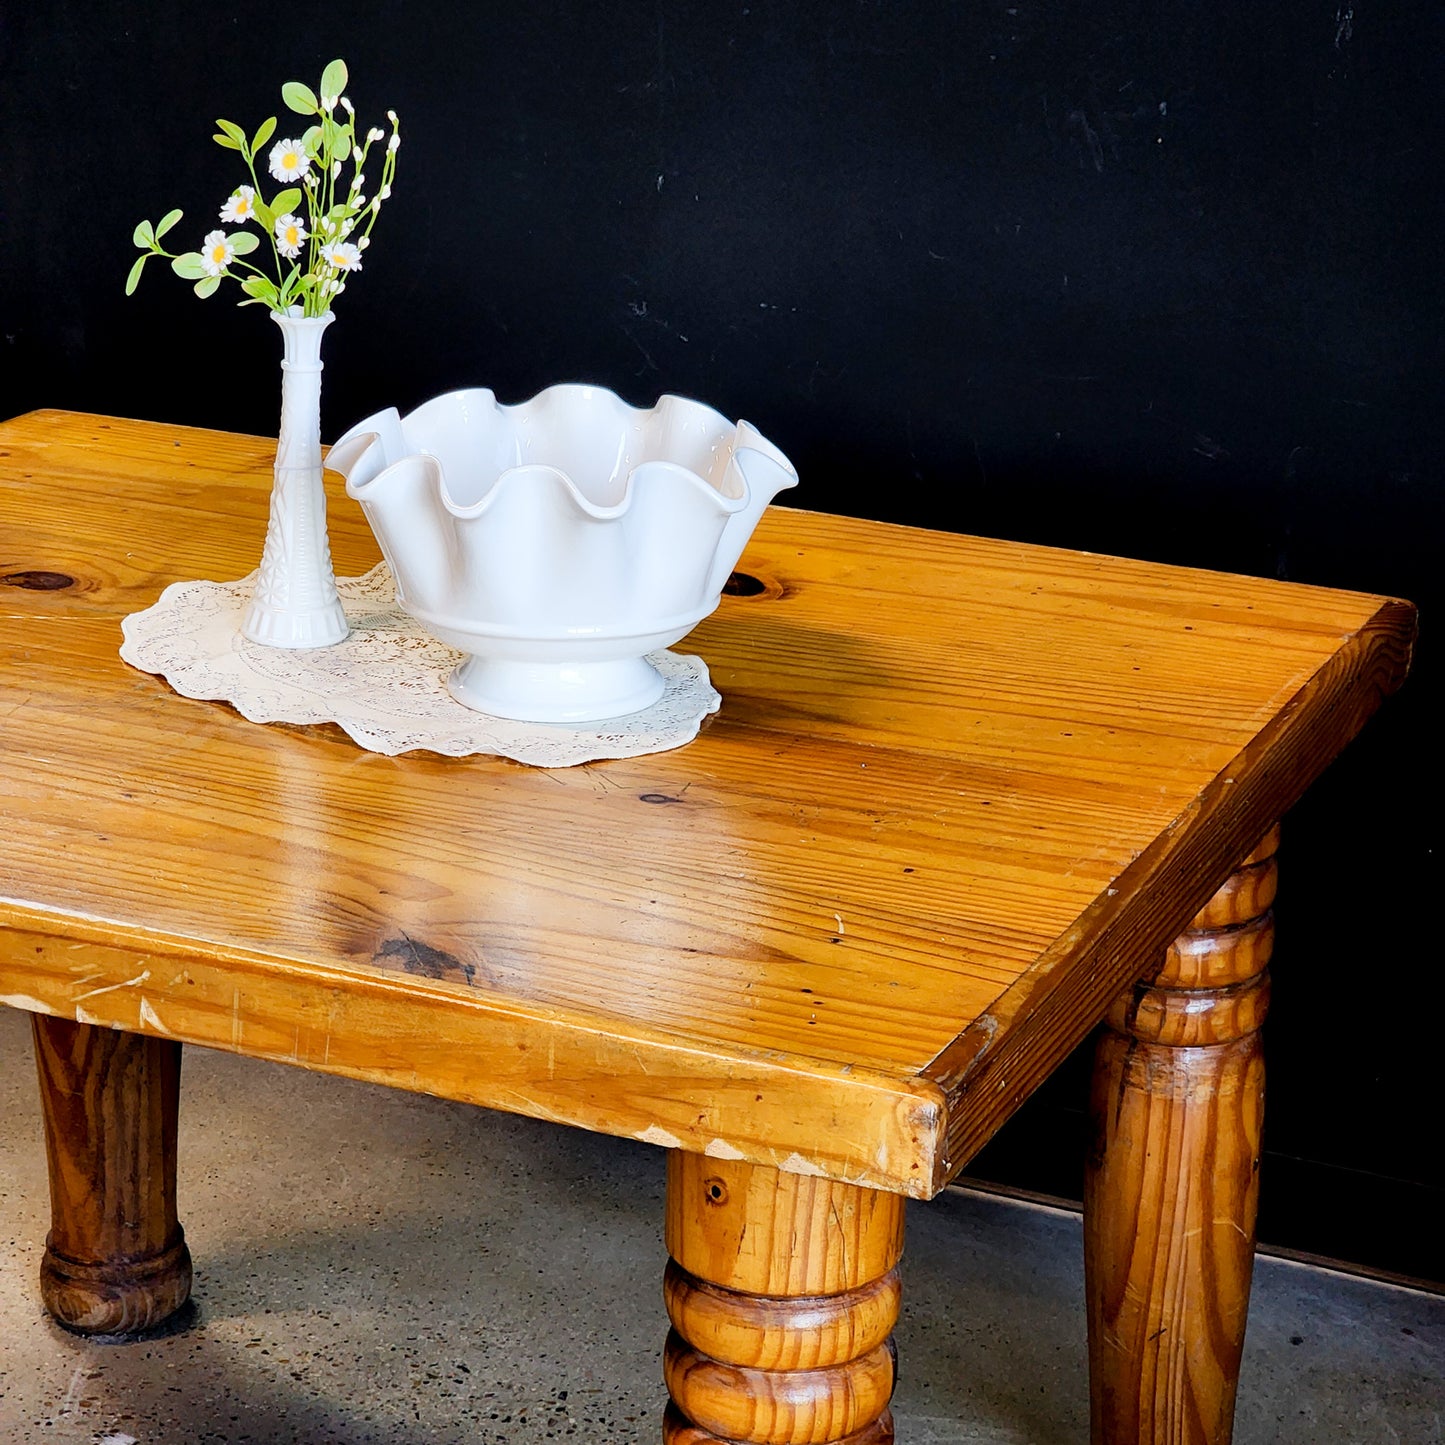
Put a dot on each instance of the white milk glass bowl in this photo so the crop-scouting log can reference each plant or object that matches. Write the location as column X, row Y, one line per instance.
column 559, row 541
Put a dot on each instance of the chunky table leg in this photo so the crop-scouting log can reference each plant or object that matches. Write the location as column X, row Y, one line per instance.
column 115, row 1261
column 1170, row 1195
column 783, row 1292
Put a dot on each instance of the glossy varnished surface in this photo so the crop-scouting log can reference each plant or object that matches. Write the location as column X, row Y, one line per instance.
column 958, row 790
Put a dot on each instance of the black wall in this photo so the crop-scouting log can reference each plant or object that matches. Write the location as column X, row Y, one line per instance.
column 1158, row 279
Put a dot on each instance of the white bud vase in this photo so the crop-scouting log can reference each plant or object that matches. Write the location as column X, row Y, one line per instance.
column 295, row 602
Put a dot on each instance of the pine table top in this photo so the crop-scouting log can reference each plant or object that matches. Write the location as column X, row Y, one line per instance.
column 959, row 793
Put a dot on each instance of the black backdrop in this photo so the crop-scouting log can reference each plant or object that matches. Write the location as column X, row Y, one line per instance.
column 1157, row 279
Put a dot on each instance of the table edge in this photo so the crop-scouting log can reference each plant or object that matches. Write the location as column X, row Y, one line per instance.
column 989, row 1069
column 607, row 1075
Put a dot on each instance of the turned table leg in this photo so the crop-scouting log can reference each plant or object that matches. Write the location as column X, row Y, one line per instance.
column 115, row 1261
column 1170, row 1194
column 783, row 1291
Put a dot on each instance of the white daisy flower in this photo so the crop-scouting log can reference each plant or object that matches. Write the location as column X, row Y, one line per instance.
column 216, row 253
column 288, row 160
column 241, row 206
column 342, row 255
column 290, row 233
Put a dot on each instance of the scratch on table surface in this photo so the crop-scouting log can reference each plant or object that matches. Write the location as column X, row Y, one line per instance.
column 526, row 1104
column 24, row 1001
column 135, row 982
column 84, row 1016
column 656, row 1134
column 721, row 1149
column 796, row 1164
column 148, row 1015
column 236, row 1018
column 838, row 918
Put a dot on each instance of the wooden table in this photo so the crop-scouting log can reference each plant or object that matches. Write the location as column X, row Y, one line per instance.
column 965, row 799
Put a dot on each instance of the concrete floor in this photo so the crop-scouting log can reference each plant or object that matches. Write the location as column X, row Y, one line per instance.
column 381, row 1267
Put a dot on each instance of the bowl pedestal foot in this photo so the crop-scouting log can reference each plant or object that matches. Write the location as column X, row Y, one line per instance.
column 556, row 692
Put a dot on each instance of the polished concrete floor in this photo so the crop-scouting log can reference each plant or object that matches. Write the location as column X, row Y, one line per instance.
column 382, row 1267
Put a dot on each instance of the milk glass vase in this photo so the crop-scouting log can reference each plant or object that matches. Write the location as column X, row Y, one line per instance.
column 295, row 602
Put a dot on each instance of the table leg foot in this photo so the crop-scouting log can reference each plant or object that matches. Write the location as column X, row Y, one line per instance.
column 115, row 1260
column 782, row 1291
column 1172, row 1184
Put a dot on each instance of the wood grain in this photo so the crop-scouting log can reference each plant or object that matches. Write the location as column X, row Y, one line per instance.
column 116, row 1260
column 959, row 791
column 782, row 1292
column 1173, row 1183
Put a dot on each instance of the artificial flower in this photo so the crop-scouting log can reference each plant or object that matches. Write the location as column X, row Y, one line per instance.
column 217, row 253
column 290, row 232
column 288, row 160
column 342, row 255
column 241, row 205
column 326, row 225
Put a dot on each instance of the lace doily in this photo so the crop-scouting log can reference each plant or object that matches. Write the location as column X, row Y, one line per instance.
column 385, row 684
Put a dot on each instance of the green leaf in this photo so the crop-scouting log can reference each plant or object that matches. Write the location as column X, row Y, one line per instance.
column 167, row 221
column 206, row 286
column 188, row 266
column 261, row 288
column 143, row 236
column 226, row 141
column 333, row 78
column 133, row 280
column 300, row 98
column 263, row 213
column 311, row 141
column 264, row 132
column 284, row 201
column 243, row 242
column 234, row 131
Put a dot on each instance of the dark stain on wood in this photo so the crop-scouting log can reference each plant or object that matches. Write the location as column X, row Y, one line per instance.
column 424, row 961
column 37, row 581
column 744, row 584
